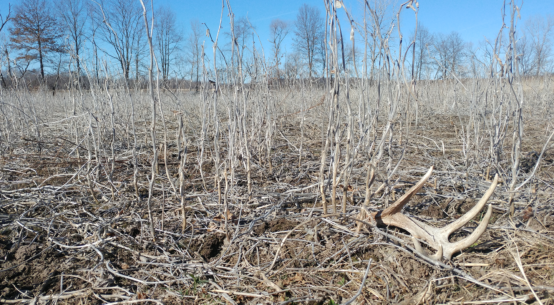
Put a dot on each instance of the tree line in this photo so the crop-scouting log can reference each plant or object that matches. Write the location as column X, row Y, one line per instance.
column 54, row 38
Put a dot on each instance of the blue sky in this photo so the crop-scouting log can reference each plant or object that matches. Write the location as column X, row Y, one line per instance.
column 473, row 19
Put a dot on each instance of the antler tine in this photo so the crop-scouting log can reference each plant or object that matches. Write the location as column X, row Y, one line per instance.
column 401, row 202
column 473, row 237
column 449, row 229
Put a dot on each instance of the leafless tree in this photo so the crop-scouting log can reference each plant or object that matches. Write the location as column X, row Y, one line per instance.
column 243, row 32
column 525, row 56
column 293, row 62
column 539, row 29
column 35, row 30
column 168, row 39
column 475, row 63
column 278, row 29
column 120, row 28
column 193, row 42
column 241, row 36
column 449, row 51
column 378, row 30
column 74, row 18
column 308, row 33
column 352, row 58
column 424, row 40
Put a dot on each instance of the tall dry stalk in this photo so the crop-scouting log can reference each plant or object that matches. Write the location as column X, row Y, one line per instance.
column 153, row 118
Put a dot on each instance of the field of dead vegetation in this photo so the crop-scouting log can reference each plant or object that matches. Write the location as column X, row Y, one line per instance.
column 228, row 208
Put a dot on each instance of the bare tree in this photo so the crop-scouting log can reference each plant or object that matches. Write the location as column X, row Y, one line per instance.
column 193, row 42
column 378, row 31
column 476, row 66
column 525, row 56
column 139, row 53
column 539, row 29
column 352, row 55
column 424, row 39
column 449, row 51
column 308, row 33
column 73, row 17
column 168, row 39
column 120, row 28
column 293, row 62
column 242, row 34
column 243, row 31
column 35, row 30
column 278, row 30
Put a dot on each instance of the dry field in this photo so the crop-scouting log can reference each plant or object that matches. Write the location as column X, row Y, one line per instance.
column 91, row 214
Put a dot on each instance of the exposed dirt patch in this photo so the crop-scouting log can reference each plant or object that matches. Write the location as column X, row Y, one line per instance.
column 281, row 224
column 260, row 229
column 35, row 275
column 208, row 246
column 433, row 211
column 528, row 161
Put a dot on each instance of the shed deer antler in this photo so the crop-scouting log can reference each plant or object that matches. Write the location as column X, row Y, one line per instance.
column 436, row 238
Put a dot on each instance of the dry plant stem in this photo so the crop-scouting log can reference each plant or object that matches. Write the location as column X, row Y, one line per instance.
column 163, row 207
column 166, row 165
column 349, row 132
column 538, row 162
column 217, row 159
column 269, row 142
column 518, row 124
column 368, row 182
column 112, row 142
column 226, row 202
column 89, row 182
column 361, row 285
column 153, row 123
column 336, row 161
column 324, row 158
column 517, row 259
column 205, row 119
column 303, row 117
column 183, row 160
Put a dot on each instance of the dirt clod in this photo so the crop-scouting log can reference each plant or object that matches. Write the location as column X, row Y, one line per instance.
column 281, row 224
column 25, row 252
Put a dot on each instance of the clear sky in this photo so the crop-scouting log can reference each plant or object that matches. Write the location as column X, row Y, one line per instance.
column 473, row 19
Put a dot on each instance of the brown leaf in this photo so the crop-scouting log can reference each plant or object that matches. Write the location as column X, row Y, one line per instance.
column 141, row 296
column 221, row 217
column 528, row 213
column 212, row 226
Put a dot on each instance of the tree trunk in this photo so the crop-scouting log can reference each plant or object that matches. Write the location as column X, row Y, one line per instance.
column 40, row 58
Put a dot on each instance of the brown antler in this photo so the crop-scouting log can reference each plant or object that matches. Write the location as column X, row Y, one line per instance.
column 436, row 238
